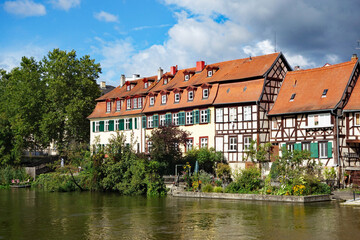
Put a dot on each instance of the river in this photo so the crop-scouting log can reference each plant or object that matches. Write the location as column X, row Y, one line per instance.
column 29, row 214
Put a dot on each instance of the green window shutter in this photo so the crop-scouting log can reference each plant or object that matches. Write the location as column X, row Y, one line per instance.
column 156, row 120
column 121, row 124
column 208, row 115
column 143, row 121
column 297, row 146
column 329, row 149
column 168, row 118
column 93, row 126
column 181, row 118
column 111, row 125
column 196, row 116
column 135, row 120
column 101, row 128
column 130, row 123
column 314, row 149
column 283, row 146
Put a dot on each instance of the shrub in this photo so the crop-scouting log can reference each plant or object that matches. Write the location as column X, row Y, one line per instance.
column 245, row 181
column 205, row 177
column 9, row 173
column 218, row 189
column 223, row 171
column 207, row 188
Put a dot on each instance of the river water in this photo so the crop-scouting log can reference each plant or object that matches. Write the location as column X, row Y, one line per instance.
column 29, row 214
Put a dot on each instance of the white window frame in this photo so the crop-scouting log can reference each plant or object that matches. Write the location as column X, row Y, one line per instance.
column 189, row 118
column 203, row 116
column 152, row 101
column 323, row 149
column 128, row 87
column 232, row 143
column 140, row 102
column 205, row 93
column 149, row 145
column 210, row 73
column 163, row 99
column 97, row 126
column 232, row 115
column 176, row 119
column 146, row 85
column 177, row 97
column 305, row 146
column 219, row 114
column 165, row 81
column 117, row 124
column 106, row 125
column 108, row 106
column 247, row 142
column 162, row 120
column 187, row 77
column 150, row 122
column 324, row 120
column 127, row 124
column 290, row 147
column 128, row 104
column 190, row 95
column 118, row 105
column 135, row 103
column 357, row 119
column 189, row 144
column 203, row 142
column 247, row 113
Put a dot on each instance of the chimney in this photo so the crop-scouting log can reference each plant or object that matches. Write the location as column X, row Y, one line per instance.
column 122, row 80
column 135, row 76
column 200, row 66
column 354, row 57
column 102, row 84
column 173, row 70
column 297, row 68
column 160, row 73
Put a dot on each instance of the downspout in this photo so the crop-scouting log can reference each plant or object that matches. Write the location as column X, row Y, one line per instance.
column 340, row 170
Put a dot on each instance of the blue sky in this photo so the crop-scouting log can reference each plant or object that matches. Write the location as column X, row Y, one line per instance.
column 128, row 37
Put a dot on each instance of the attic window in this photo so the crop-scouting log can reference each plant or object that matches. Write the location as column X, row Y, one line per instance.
column 292, row 97
column 187, row 77
column 165, row 81
column 128, row 87
column 244, row 89
column 210, row 73
column 146, row 85
column 324, row 93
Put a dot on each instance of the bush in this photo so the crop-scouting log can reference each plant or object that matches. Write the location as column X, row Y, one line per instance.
column 207, row 157
column 223, row 171
column 205, row 177
column 55, row 182
column 245, row 181
column 207, row 188
column 9, row 173
column 218, row 189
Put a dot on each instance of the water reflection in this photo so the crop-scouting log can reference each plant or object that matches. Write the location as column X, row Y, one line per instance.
column 27, row 214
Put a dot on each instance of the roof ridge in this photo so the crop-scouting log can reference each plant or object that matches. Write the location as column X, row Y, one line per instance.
column 322, row 68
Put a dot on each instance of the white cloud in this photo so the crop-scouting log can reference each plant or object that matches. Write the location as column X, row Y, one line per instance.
column 65, row 4
column 106, row 17
column 24, row 8
column 11, row 58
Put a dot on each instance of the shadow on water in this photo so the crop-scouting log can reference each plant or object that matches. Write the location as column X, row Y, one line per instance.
column 29, row 214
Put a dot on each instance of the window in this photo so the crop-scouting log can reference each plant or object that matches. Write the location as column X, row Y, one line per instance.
column 324, row 93
column 189, row 117
column 146, row 85
column 232, row 115
column 135, row 103
column 149, row 145
column 152, row 100
column 140, row 102
column 97, row 126
column 127, row 123
column 292, row 97
column 117, row 124
column 128, row 104
column 219, row 115
column 323, row 149
column 203, row 142
column 176, row 119
column 319, row 120
column 189, row 144
column 118, row 105
column 165, row 81
column 177, row 97
column 357, row 119
column 187, row 77
column 107, row 125
column 162, row 120
column 128, row 87
column 205, row 93
column 247, row 142
column 150, row 122
column 190, row 95
column 108, row 106
column 204, row 116
column 163, row 99
column 232, row 143
column 305, row 146
column 290, row 147
column 247, row 113
column 209, row 73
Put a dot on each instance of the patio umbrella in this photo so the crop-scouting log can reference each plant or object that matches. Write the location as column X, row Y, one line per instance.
column 196, row 169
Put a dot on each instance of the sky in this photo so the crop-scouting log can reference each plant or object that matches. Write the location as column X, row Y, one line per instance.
column 139, row 36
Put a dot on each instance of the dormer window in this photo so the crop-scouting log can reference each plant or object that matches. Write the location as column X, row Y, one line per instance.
column 128, row 87
column 205, row 93
column 152, row 100
column 177, row 97
column 135, row 103
column 140, row 102
column 190, row 95
column 118, row 105
column 163, row 99
column 210, row 73
column 128, row 104
column 146, row 85
column 292, row 97
column 324, row 93
column 187, row 77
column 108, row 106
column 165, row 81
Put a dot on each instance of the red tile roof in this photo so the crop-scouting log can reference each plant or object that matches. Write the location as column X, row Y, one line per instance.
column 309, row 85
column 354, row 101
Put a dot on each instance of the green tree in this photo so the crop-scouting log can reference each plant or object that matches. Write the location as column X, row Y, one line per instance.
column 70, row 95
column 166, row 142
